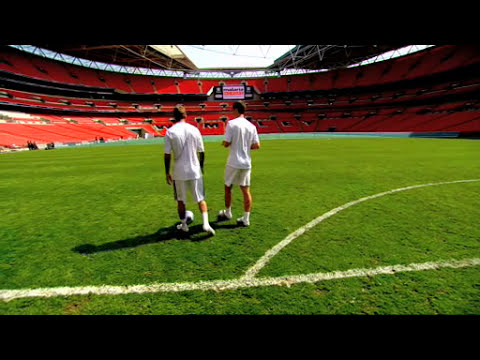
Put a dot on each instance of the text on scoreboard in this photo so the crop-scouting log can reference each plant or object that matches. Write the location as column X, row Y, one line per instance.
column 233, row 92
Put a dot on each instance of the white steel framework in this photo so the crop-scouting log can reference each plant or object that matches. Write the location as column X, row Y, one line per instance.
column 293, row 59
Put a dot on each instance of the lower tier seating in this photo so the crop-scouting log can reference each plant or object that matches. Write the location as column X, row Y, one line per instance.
column 457, row 116
column 17, row 135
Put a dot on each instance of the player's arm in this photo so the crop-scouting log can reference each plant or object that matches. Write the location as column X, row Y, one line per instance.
column 255, row 141
column 201, row 159
column 200, row 150
column 167, row 159
column 167, row 149
column 228, row 136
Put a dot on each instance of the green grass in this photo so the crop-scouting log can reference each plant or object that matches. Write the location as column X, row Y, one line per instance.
column 95, row 216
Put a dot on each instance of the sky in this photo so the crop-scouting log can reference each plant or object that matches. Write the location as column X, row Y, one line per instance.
column 244, row 56
column 259, row 56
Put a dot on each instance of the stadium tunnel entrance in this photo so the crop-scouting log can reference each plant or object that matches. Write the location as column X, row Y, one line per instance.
column 144, row 134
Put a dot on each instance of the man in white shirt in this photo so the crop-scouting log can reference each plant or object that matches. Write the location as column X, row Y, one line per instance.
column 185, row 140
column 240, row 136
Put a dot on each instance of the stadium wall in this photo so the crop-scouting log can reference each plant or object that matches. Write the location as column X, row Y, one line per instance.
column 279, row 136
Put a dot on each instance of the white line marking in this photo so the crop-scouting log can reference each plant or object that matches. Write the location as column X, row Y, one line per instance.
column 248, row 280
column 251, row 272
column 222, row 285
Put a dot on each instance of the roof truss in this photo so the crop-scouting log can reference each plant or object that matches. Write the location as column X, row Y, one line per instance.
column 144, row 56
column 328, row 56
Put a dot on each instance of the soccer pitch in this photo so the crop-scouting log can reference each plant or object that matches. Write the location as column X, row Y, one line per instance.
column 338, row 226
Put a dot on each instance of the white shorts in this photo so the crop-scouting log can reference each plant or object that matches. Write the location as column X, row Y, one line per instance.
column 182, row 187
column 235, row 176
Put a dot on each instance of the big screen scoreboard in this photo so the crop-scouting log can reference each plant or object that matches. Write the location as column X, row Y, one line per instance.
column 233, row 92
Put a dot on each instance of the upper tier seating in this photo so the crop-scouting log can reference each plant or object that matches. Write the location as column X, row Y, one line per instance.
column 350, row 101
column 426, row 62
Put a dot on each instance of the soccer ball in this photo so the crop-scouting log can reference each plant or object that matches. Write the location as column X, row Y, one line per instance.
column 189, row 216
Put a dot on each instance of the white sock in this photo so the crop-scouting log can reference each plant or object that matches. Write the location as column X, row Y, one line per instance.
column 205, row 218
column 246, row 216
column 228, row 212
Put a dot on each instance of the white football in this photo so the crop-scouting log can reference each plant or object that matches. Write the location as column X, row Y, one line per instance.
column 189, row 216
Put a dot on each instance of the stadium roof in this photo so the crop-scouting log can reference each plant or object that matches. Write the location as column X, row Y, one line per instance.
column 329, row 56
column 145, row 56
column 193, row 60
column 172, row 56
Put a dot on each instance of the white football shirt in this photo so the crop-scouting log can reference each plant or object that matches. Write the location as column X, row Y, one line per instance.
column 242, row 134
column 185, row 141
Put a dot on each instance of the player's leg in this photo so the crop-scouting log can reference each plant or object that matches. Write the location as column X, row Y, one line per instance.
column 180, row 195
column 181, row 210
column 229, row 177
column 181, row 214
column 228, row 196
column 198, row 194
column 226, row 214
column 244, row 182
column 247, row 205
column 247, row 198
column 202, row 205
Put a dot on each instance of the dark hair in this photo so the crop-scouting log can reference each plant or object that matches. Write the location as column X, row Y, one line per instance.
column 240, row 106
column 179, row 112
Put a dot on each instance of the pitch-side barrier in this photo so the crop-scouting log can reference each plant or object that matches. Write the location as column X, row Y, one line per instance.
column 279, row 136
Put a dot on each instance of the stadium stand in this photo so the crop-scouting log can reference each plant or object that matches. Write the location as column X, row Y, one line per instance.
column 444, row 58
column 166, row 85
column 65, row 133
column 266, row 126
column 86, row 77
column 433, row 90
column 140, row 84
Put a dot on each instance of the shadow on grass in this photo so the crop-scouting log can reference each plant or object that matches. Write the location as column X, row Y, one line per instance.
column 195, row 233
